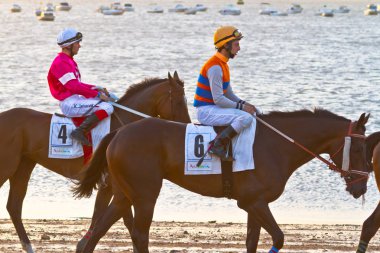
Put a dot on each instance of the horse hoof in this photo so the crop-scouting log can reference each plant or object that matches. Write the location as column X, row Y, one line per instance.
column 27, row 247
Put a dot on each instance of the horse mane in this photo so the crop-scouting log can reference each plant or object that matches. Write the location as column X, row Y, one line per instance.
column 137, row 87
column 319, row 112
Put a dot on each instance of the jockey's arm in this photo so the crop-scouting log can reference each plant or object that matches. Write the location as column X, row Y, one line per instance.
column 215, row 76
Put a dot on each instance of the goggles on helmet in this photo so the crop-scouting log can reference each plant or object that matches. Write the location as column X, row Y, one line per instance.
column 77, row 37
column 236, row 34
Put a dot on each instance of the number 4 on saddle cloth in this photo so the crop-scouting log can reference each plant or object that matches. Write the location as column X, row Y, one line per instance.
column 62, row 146
column 197, row 142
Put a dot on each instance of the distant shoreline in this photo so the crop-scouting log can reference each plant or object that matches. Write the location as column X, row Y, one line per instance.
column 52, row 235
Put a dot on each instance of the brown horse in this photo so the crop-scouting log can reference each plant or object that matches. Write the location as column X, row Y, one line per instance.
column 26, row 133
column 140, row 155
column 372, row 224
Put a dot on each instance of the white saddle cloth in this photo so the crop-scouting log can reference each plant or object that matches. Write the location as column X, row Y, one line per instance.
column 61, row 145
column 197, row 140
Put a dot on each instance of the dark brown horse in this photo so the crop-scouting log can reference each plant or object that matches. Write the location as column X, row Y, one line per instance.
column 372, row 224
column 24, row 141
column 140, row 155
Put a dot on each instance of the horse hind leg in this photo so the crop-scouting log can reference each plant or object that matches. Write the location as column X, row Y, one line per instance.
column 17, row 191
column 259, row 210
column 141, row 224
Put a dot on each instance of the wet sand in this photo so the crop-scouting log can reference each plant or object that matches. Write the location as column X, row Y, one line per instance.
column 180, row 237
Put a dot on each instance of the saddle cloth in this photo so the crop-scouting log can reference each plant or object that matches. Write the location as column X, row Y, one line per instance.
column 61, row 145
column 197, row 140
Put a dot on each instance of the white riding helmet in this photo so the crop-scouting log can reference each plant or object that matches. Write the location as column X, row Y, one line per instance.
column 68, row 36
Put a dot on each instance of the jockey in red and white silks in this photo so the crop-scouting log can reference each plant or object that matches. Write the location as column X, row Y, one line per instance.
column 76, row 98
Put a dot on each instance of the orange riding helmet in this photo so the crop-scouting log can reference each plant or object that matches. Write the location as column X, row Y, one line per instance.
column 225, row 34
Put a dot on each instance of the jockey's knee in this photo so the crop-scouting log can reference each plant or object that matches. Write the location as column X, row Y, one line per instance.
column 108, row 108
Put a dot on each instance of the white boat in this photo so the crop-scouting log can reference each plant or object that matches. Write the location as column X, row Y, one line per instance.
column 49, row 8
column 230, row 9
column 279, row 13
column 178, row 8
column 266, row 9
column 155, row 9
column 128, row 7
column 16, row 8
column 46, row 16
column 295, row 9
column 371, row 10
column 342, row 9
column 102, row 8
column 63, row 6
column 326, row 12
column 200, row 7
column 191, row 11
column 113, row 12
column 116, row 6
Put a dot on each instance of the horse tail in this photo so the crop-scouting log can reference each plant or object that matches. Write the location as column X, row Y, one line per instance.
column 371, row 142
column 94, row 170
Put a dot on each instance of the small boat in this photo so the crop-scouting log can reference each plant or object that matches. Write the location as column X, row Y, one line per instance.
column 128, row 7
column 63, row 6
column 49, row 8
column 178, row 8
column 230, row 9
column 155, row 9
column 16, row 8
column 116, row 5
column 191, row 11
column 46, row 16
column 240, row 2
column 326, row 12
column 200, row 7
column 342, row 9
column 113, row 12
column 266, row 9
column 371, row 10
column 295, row 9
column 279, row 13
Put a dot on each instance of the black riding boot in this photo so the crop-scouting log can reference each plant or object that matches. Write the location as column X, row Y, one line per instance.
column 221, row 143
column 79, row 133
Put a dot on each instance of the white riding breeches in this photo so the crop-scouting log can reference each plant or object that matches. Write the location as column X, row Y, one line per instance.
column 77, row 106
column 214, row 115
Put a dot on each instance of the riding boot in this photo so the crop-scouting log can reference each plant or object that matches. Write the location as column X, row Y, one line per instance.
column 80, row 132
column 222, row 142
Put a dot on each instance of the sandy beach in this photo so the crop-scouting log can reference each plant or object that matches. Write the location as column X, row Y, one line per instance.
column 180, row 237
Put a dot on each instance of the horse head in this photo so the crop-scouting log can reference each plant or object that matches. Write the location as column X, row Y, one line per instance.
column 173, row 105
column 351, row 158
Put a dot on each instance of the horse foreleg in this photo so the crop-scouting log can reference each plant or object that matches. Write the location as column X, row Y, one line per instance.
column 253, row 234
column 263, row 216
column 18, row 184
column 101, row 204
column 370, row 226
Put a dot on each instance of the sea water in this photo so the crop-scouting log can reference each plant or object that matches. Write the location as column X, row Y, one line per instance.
column 289, row 63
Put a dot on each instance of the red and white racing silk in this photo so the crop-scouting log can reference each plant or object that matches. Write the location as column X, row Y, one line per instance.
column 64, row 79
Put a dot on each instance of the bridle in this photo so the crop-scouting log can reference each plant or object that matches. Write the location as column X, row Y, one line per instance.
column 345, row 170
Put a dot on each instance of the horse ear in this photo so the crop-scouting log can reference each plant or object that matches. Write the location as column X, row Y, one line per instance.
column 172, row 82
column 362, row 120
column 176, row 77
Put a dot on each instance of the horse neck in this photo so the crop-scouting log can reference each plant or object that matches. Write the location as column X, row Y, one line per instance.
column 315, row 134
column 143, row 101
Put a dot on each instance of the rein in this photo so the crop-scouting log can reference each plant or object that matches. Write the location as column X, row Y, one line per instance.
column 344, row 172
